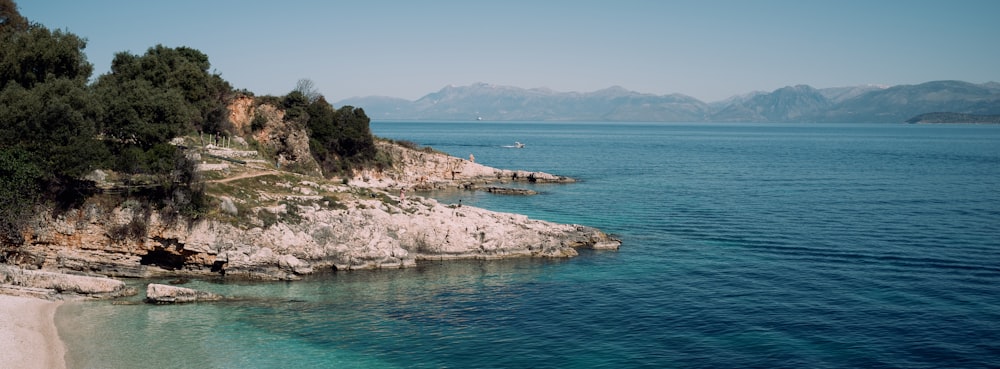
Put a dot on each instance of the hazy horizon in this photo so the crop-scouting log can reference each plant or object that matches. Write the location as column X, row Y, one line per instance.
column 707, row 50
column 629, row 89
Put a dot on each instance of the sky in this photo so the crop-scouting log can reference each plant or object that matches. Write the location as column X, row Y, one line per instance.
column 708, row 49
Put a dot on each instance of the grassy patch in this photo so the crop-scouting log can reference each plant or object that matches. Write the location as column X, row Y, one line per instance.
column 333, row 203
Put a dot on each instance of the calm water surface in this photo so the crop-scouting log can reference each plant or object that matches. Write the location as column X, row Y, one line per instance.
column 824, row 246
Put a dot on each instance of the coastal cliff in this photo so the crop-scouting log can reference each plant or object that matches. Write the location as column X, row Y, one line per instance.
column 269, row 223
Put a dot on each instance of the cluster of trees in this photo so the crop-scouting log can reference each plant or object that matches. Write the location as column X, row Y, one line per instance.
column 56, row 126
column 153, row 98
column 339, row 139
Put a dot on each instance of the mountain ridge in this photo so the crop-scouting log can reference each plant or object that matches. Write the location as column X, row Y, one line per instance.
column 799, row 103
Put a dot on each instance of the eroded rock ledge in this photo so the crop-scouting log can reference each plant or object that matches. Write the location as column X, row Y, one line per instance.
column 368, row 233
column 58, row 286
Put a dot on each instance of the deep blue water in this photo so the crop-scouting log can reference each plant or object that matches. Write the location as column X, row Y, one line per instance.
column 745, row 245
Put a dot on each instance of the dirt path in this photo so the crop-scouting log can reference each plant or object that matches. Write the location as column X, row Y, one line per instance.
column 245, row 176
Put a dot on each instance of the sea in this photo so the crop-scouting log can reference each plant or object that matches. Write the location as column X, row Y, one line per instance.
column 743, row 246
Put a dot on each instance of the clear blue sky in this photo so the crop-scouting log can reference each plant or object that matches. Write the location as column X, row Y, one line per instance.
column 706, row 49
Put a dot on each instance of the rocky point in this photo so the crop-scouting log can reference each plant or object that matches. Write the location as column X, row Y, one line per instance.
column 269, row 223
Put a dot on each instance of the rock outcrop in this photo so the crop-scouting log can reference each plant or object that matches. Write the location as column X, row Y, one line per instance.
column 504, row 190
column 242, row 111
column 164, row 294
column 362, row 232
column 427, row 170
column 290, row 142
column 56, row 286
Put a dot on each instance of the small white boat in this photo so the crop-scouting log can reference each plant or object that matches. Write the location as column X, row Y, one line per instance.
column 518, row 145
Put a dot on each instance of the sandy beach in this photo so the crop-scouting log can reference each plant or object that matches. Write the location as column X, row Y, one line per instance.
column 28, row 336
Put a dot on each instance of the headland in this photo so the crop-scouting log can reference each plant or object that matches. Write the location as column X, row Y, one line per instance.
column 270, row 220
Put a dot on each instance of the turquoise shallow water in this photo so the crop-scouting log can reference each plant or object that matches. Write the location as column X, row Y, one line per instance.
column 825, row 246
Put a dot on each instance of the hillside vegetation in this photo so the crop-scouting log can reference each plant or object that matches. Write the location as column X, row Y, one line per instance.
column 58, row 129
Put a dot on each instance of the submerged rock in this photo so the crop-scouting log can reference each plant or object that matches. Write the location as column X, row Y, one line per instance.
column 165, row 294
column 506, row 190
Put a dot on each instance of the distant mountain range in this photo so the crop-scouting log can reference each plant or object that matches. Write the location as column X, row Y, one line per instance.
column 874, row 104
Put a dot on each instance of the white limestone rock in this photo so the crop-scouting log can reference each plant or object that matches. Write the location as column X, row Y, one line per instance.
column 165, row 294
column 13, row 277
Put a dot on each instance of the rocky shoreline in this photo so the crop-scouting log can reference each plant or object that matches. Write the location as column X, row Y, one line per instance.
column 274, row 225
column 269, row 224
column 282, row 219
column 365, row 231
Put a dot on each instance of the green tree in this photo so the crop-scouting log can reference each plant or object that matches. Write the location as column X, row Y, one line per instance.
column 295, row 105
column 139, row 114
column 149, row 100
column 48, row 119
column 56, row 122
column 321, row 125
column 153, row 98
column 339, row 139
column 46, row 109
column 356, row 141
column 20, row 182
column 37, row 54
column 10, row 19
column 324, row 137
column 54, row 128
column 181, row 69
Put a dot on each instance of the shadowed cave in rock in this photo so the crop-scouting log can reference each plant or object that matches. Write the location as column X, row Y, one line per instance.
column 165, row 259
